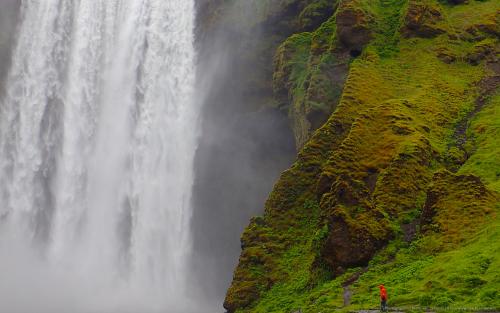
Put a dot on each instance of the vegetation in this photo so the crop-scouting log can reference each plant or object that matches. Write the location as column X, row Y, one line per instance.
column 400, row 185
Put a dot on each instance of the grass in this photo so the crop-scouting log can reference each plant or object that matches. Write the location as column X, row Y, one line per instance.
column 485, row 131
column 466, row 277
column 393, row 126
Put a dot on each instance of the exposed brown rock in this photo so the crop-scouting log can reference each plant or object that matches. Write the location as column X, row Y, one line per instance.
column 482, row 51
column 489, row 25
column 352, row 242
column 353, row 26
column 446, row 56
column 421, row 20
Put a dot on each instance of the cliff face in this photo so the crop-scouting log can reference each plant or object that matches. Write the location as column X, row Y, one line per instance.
column 395, row 109
column 260, row 27
column 245, row 143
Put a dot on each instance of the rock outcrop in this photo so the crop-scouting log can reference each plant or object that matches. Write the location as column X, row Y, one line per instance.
column 422, row 19
column 456, row 207
column 354, row 25
column 370, row 192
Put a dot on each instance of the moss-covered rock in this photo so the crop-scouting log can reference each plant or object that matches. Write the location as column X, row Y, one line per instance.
column 457, row 206
column 370, row 187
column 422, row 19
column 309, row 74
column 485, row 49
column 259, row 245
column 314, row 14
column 354, row 29
column 354, row 239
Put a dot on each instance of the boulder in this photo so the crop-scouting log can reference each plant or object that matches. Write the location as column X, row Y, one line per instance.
column 352, row 242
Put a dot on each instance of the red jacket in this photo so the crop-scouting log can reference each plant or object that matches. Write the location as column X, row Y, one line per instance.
column 383, row 293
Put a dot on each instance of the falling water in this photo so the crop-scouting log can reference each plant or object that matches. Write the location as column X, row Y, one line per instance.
column 97, row 140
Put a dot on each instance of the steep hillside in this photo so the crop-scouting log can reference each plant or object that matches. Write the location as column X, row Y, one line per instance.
column 400, row 185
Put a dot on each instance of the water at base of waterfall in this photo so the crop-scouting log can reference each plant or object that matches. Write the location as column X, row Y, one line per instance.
column 98, row 133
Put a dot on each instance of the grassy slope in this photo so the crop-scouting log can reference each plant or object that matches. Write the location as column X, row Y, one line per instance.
column 400, row 91
column 485, row 129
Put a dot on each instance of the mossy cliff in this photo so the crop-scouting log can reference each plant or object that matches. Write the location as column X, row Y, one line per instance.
column 395, row 109
column 259, row 27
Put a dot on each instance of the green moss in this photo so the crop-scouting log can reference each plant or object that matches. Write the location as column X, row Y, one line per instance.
column 480, row 16
column 485, row 159
column 291, row 64
column 370, row 187
column 316, row 11
column 389, row 21
column 464, row 277
column 308, row 78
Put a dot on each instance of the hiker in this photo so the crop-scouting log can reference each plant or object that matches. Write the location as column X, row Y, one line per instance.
column 383, row 298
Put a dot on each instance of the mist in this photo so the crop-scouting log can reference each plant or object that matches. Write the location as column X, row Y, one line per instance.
column 245, row 142
column 30, row 284
column 9, row 10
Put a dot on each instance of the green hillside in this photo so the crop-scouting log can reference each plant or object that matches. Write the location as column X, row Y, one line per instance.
column 395, row 110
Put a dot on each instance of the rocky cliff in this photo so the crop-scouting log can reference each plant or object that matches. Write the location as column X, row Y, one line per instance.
column 395, row 110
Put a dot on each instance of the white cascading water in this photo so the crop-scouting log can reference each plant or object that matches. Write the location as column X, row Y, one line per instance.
column 97, row 141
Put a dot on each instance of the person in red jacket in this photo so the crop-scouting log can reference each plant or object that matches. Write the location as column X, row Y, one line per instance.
column 383, row 298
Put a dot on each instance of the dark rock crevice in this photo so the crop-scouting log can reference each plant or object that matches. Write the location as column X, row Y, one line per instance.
column 457, row 153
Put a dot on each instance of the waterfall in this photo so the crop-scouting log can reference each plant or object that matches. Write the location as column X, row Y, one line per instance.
column 98, row 132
